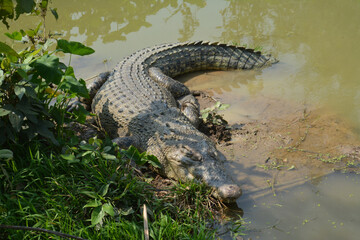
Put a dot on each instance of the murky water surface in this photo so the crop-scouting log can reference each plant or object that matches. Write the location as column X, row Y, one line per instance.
column 317, row 43
column 322, row 209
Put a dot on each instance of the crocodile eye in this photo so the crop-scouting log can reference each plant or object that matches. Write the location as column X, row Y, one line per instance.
column 185, row 155
column 191, row 153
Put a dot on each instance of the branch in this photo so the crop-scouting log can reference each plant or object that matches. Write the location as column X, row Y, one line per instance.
column 41, row 230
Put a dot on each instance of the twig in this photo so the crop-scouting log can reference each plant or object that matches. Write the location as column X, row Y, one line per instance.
column 146, row 225
column 64, row 235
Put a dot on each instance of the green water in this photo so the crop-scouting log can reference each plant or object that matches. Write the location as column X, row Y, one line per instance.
column 326, row 209
column 317, row 43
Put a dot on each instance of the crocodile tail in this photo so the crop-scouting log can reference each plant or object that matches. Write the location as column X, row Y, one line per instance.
column 195, row 56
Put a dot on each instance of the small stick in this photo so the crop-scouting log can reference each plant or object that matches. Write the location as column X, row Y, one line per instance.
column 146, row 225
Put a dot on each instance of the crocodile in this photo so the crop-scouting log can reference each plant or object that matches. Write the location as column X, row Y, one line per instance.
column 139, row 103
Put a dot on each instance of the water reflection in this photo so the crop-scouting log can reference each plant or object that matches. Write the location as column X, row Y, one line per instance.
column 114, row 20
column 323, row 44
column 244, row 18
column 190, row 20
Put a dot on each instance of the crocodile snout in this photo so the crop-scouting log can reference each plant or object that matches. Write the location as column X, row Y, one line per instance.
column 229, row 192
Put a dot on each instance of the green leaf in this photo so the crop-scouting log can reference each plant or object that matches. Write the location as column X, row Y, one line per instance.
column 153, row 161
column 4, row 112
column 22, row 72
column 16, row 119
column 104, row 189
column 74, row 86
column 30, row 92
column 6, row 154
column 97, row 215
column 19, row 91
column 87, row 147
column 37, row 28
column 89, row 194
column 24, row 6
column 5, row 63
column 54, row 12
column 133, row 154
column 205, row 116
column 31, row 33
column 83, row 154
column 30, row 57
column 8, row 51
column 80, row 114
column 224, row 106
column 93, row 203
column 70, row 71
column 126, row 211
column 109, row 209
column 108, row 156
column 106, row 149
column 23, row 33
column 43, row 129
column 98, row 142
column 47, row 67
column 14, row 36
column 205, row 110
column 70, row 158
column 6, row 11
column 44, row 4
column 217, row 104
column 74, row 47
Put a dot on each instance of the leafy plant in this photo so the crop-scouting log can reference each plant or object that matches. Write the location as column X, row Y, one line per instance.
column 141, row 158
column 210, row 115
column 35, row 86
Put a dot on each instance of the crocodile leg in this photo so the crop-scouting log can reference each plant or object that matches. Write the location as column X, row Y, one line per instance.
column 176, row 88
column 95, row 85
column 190, row 107
column 126, row 142
column 187, row 102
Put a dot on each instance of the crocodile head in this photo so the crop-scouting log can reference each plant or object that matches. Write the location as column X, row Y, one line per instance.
column 200, row 160
column 184, row 152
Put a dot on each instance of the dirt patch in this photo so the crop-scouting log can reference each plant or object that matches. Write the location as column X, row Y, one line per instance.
column 218, row 133
column 286, row 148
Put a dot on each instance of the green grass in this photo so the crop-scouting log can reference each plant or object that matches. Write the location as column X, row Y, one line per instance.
column 92, row 191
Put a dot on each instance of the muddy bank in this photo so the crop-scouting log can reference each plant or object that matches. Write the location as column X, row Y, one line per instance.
column 285, row 145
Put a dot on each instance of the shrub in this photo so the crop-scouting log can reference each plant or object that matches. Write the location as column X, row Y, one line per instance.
column 35, row 86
